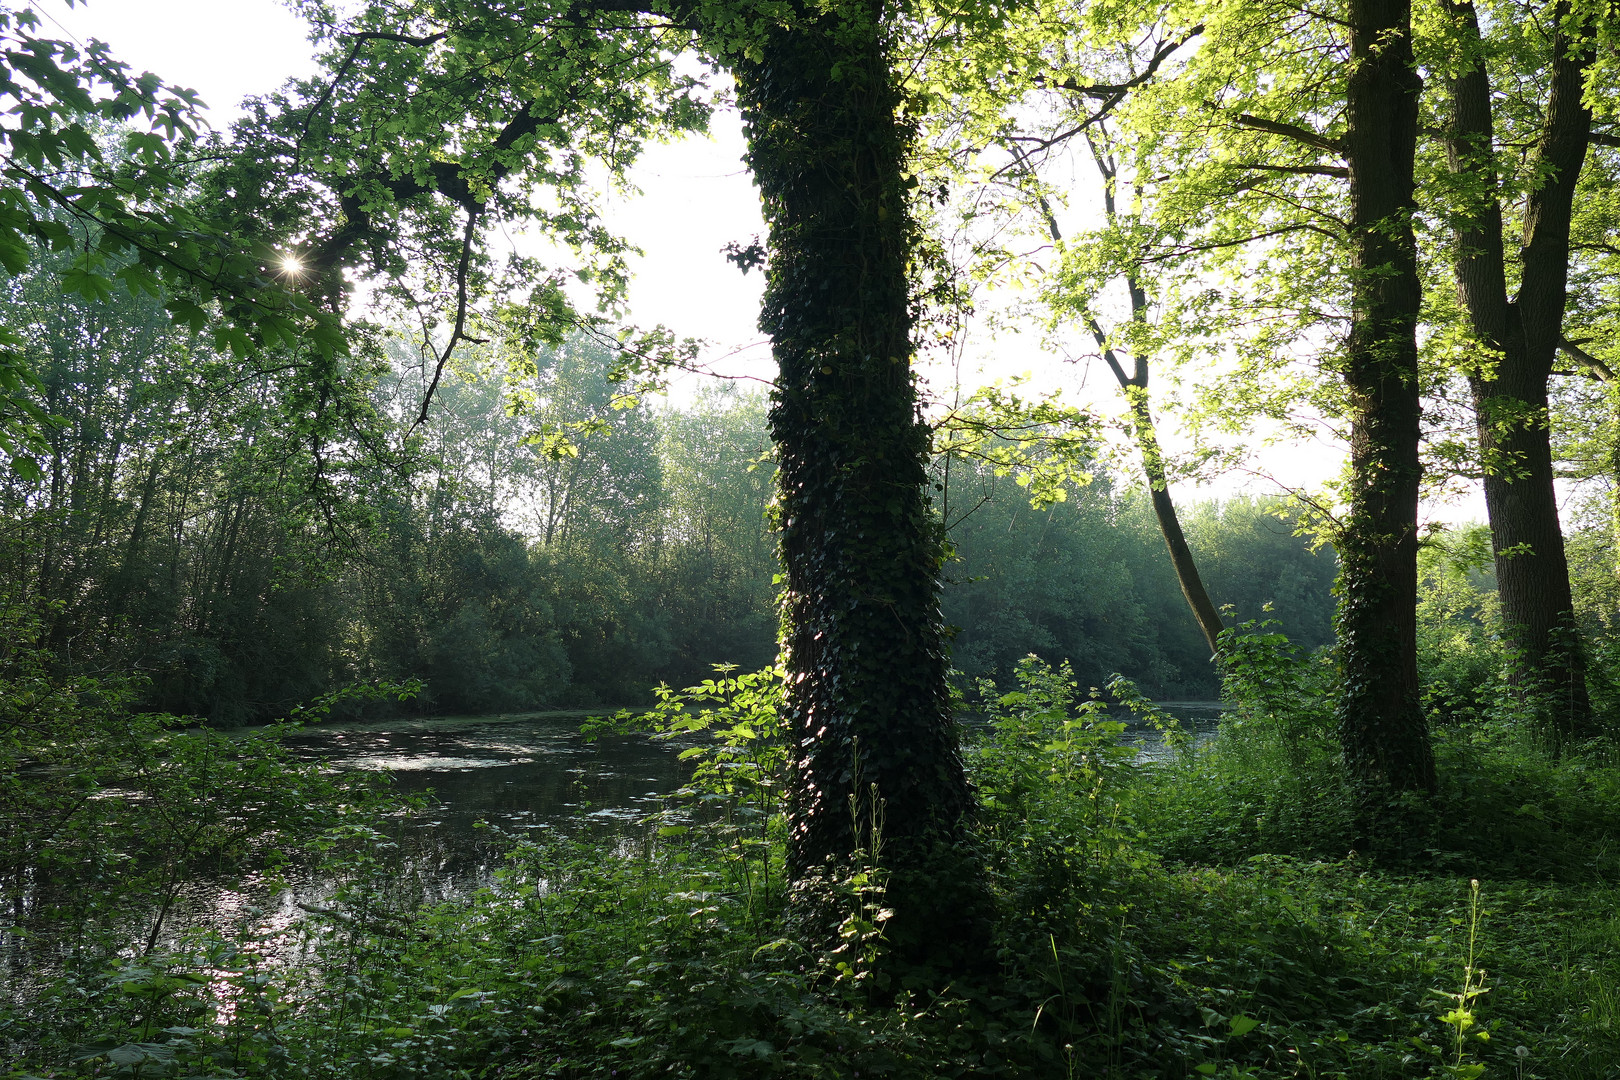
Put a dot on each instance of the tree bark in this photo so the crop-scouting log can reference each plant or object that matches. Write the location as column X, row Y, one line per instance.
column 1134, row 387
column 1509, row 384
column 1164, row 509
column 862, row 637
column 1382, row 727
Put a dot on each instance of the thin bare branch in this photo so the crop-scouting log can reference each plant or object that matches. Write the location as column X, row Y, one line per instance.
column 458, row 332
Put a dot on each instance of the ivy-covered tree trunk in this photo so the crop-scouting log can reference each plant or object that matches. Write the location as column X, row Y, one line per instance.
column 1510, row 385
column 1381, row 722
column 862, row 637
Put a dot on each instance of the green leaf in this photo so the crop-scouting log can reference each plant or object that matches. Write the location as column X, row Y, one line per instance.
column 187, row 313
column 14, row 251
column 86, row 283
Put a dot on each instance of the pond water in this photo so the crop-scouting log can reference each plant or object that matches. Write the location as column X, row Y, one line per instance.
column 485, row 778
column 534, row 775
column 525, row 774
column 1202, row 718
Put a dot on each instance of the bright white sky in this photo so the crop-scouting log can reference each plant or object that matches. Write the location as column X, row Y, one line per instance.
column 697, row 197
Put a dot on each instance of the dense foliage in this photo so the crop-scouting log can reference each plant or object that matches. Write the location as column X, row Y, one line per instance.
column 1395, row 856
column 1197, row 916
column 537, row 546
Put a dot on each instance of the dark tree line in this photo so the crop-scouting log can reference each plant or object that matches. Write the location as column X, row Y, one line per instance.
column 182, row 531
column 179, row 531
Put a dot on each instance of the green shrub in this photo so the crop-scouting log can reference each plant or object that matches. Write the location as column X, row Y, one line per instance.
column 1269, row 781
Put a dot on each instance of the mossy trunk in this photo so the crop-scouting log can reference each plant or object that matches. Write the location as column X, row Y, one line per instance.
column 862, row 637
column 1382, row 726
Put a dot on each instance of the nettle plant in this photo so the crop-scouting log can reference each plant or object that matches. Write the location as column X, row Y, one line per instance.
column 731, row 731
column 1278, row 691
column 1054, row 756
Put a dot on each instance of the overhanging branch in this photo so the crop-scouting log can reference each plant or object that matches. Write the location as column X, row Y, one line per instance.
column 1105, row 91
column 1291, row 131
column 458, row 333
column 1338, row 171
column 1591, row 365
column 1112, row 95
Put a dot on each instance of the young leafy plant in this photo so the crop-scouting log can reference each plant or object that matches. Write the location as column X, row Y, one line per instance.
column 730, row 730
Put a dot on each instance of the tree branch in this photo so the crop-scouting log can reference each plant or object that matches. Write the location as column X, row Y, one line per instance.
column 458, row 333
column 420, row 41
column 1111, row 96
column 1591, row 365
column 1108, row 356
column 1105, row 90
column 359, row 40
column 1217, row 245
column 448, row 178
column 1291, row 131
column 1338, row 171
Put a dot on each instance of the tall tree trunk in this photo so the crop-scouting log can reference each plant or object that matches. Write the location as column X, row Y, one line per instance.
column 124, row 578
column 1381, row 722
column 863, row 640
column 1135, row 388
column 1509, row 386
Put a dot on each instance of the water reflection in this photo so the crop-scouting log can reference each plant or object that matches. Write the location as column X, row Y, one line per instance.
column 531, row 774
column 523, row 775
column 1201, row 718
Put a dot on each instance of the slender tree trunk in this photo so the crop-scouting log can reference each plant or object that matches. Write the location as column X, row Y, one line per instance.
column 180, row 602
column 217, row 589
column 1135, row 388
column 1175, row 541
column 863, row 641
column 124, row 578
column 1382, row 727
column 1614, row 478
column 1509, row 385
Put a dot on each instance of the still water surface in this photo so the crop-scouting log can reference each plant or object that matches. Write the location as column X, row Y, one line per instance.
column 520, row 773
column 485, row 778
column 490, row 777
column 536, row 771
column 535, row 775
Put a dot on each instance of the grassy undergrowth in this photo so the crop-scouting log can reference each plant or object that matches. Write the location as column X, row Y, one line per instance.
column 1200, row 918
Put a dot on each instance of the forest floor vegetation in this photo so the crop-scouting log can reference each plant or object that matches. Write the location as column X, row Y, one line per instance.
column 1200, row 916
